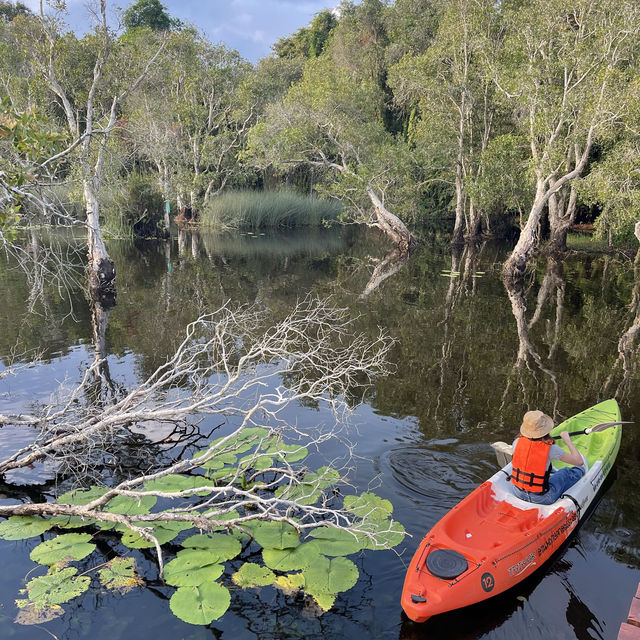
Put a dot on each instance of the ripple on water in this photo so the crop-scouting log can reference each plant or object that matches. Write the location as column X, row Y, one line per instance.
column 437, row 474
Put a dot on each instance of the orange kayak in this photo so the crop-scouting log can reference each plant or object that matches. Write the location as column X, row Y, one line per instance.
column 492, row 540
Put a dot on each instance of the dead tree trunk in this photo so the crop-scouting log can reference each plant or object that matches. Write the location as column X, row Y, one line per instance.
column 391, row 224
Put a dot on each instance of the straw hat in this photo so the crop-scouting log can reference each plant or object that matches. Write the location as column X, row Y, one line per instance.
column 536, row 424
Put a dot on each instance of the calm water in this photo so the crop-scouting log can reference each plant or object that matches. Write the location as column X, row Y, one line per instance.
column 469, row 360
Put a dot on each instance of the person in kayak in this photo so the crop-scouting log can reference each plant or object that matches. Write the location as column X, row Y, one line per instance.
column 532, row 476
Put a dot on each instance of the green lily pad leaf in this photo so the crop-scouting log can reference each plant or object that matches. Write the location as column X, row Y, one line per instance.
column 368, row 506
column 290, row 452
column 193, row 567
column 253, row 575
column 330, row 575
column 335, row 542
column 80, row 497
column 223, row 545
column 200, row 604
column 388, row 534
column 240, row 443
column 290, row 583
column 70, row 545
column 219, row 461
column 310, row 488
column 325, row 600
column 221, row 517
column 259, row 463
column 163, row 531
column 56, row 588
column 291, row 559
column 175, row 483
column 119, row 574
column 75, row 522
column 23, row 527
column 274, row 535
column 131, row 506
column 221, row 476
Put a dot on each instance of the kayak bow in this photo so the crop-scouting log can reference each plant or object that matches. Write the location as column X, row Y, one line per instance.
column 492, row 540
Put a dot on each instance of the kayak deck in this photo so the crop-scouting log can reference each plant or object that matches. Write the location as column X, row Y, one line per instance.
column 492, row 540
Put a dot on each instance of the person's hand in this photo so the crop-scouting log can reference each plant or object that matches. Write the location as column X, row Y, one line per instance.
column 566, row 437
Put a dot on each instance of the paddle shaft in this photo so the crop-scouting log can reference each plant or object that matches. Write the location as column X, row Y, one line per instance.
column 596, row 428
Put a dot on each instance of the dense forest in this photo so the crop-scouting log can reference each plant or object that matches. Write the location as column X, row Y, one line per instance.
column 506, row 119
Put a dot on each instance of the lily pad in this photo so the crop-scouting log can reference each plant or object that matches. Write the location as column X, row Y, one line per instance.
column 119, row 574
column 23, row 527
column 253, row 575
column 291, row 559
column 259, row 463
column 128, row 506
column 369, row 506
column 56, row 588
column 274, row 535
column 200, row 604
column 80, row 497
column 193, row 567
column 70, row 545
column 290, row 583
column 218, row 461
column 310, row 488
column 330, row 575
column 325, row 600
column 175, row 483
column 290, row 452
column 223, row 545
column 388, row 534
column 75, row 522
column 163, row 531
column 335, row 542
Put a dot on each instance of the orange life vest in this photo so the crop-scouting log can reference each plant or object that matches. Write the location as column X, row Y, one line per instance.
column 530, row 465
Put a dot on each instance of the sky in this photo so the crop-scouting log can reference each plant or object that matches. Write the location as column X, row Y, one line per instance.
column 250, row 26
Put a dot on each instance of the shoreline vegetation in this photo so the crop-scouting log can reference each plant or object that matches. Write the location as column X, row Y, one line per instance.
column 504, row 119
column 250, row 210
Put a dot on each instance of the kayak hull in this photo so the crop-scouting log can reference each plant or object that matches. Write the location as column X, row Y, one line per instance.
column 498, row 540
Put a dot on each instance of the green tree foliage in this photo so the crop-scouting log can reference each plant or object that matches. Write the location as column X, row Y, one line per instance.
column 308, row 42
column 151, row 14
column 10, row 10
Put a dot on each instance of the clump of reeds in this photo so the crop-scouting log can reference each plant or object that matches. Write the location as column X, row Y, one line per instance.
column 266, row 210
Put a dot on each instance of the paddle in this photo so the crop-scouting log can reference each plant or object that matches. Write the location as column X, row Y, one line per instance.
column 599, row 427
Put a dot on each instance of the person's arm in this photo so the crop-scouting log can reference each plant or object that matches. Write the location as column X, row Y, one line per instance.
column 573, row 457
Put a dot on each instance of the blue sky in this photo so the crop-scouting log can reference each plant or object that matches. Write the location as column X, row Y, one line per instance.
column 250, row 26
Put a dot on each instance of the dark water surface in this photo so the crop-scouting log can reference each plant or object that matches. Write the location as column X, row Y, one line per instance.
column 469, row 359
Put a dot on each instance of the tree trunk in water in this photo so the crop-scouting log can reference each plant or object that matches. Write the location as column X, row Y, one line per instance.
column 475, row 223
column 459, row 223
column 560, row 221
column 516, row 264
column 102, row 270
column 391, row 224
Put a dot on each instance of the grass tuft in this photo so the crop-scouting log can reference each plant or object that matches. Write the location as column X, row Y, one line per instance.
column 267, row 210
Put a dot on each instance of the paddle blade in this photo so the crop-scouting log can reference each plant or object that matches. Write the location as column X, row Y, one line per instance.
column 504, row 453
column 605, row 425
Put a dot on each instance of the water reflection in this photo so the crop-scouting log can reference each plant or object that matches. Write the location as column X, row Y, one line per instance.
column 471, row 356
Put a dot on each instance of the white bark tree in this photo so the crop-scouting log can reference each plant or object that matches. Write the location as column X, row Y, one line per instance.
column 89, row 125
column 565, row 67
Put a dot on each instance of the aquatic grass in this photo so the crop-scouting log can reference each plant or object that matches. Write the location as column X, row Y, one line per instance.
column 586, row 242
column 267, row 209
